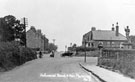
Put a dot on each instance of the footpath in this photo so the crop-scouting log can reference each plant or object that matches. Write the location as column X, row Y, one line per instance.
column 105, row 75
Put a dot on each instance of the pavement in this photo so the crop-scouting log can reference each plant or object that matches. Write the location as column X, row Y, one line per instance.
column 105, row 75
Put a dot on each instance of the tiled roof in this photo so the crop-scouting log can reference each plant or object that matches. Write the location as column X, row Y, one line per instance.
column 107, row 35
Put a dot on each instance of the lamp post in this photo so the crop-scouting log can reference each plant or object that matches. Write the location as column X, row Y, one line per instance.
column 85, row 50
column 65, row 48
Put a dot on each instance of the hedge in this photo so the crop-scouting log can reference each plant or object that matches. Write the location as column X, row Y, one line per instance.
column 119, row 59
column 12, row 55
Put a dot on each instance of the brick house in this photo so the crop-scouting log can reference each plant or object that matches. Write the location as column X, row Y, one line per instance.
column 35, row 39
column 108, row 38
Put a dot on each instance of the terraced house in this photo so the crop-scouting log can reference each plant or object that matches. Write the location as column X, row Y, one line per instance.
column 36, row 40
column 108, row 38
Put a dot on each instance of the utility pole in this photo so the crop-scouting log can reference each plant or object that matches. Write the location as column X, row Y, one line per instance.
column 25, row 23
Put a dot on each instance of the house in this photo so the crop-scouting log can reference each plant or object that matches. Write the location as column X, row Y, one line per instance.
column 108, row 38
column 35, row 39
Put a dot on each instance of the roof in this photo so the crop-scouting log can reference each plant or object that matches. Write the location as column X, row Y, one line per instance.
column 107, row 35
column 37, row 32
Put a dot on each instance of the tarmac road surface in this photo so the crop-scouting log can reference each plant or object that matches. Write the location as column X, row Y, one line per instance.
column 48, row 69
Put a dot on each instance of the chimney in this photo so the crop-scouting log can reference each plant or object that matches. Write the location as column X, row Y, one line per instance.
column 33, row 28
column 112, row 27
column 93, row 29
column 39, row 31
column 117, row 29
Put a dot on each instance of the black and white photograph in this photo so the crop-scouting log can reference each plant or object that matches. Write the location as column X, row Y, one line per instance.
column 67, row 40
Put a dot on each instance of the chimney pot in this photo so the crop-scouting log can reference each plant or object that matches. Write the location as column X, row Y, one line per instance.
column 93, row 29
column 112, row 27
column 117, row 29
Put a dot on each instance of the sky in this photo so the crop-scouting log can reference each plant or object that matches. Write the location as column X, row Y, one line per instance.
column 67, row 20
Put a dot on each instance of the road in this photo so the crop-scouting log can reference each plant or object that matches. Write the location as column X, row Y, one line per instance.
column 48, row 69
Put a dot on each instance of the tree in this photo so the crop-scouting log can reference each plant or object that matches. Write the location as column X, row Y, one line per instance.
column 8, row 28
column 19, row 32
column 74, row 45
column 12, row 29
column 51, row 47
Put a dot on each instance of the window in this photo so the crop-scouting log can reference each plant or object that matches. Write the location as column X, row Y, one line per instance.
column 113, row 44
column 89, row 44
column 92, row 44
column 108, row 44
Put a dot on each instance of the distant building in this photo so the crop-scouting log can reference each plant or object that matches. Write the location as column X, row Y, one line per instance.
column 35, row 39
column 108, row 38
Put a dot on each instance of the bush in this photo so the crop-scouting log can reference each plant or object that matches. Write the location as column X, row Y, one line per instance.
column 7, row 50
column 126, row 66
column 85, row 49
column 27, row 54
column 11, row 55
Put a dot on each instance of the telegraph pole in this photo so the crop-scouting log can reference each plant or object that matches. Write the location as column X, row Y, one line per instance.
column 25, row 23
